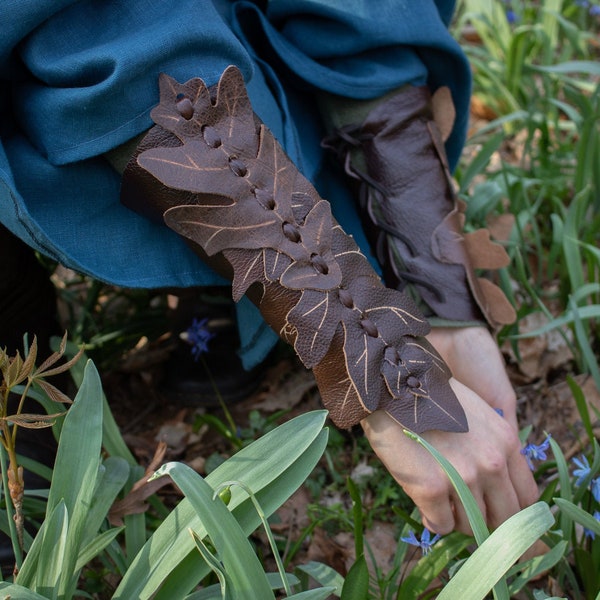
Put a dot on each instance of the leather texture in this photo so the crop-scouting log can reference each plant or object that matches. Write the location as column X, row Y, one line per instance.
column 413, row 218
column 217, row 176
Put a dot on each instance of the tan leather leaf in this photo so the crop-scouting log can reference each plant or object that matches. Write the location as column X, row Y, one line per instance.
column 483, row 252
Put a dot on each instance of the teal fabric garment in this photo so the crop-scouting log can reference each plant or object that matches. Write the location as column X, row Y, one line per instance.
column 78, row 78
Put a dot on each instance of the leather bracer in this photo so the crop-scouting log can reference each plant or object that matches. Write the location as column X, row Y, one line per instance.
column 413, row 218
column 217, row 176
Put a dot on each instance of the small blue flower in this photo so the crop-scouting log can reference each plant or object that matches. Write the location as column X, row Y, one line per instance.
column 582, row 3
column 425, row 543
column 595, row 10
column 588, row 532
column 583, row 471
column 595, row 487
column 511, row 16
column 499, row 411
column 534, row 452
column 198, row 335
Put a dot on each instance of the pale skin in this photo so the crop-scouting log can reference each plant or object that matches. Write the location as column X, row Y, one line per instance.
column 487, row 457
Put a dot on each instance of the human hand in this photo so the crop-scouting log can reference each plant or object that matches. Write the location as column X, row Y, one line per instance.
column 475, row 360
column 487, row 457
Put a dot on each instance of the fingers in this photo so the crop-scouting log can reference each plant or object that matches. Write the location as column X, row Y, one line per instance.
column 487, row 458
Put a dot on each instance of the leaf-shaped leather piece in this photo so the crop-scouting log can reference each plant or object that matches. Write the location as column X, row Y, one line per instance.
column 228, row 110
column 420, row 397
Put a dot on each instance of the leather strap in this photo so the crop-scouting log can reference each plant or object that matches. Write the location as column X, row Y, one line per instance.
column 217, row 176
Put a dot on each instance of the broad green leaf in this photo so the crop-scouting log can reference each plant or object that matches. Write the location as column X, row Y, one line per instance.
column 324, row 575
column 95, row 546
column 274, row 467
column 536, row 566
column 76, row 469
column 245, row 576
column 113, row 475
column 493, row 558
column 112, row 439
column 18, row 592
column 51, row 558
column 191, row 569
column 356, row 584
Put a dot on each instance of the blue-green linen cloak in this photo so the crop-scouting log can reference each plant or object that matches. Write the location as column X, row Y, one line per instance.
column 79, row 78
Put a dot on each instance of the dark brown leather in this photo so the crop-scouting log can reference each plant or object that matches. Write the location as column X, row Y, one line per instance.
column 218, row 177
column 414, row 220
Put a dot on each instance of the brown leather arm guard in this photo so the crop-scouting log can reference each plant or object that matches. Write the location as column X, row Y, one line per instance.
column 217, row 176
column 413, row 218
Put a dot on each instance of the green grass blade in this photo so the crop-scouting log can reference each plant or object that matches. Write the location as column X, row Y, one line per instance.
column 245, row 576
column 476, row 520
column 486, row 566
column 578, row 514
column 318, row 594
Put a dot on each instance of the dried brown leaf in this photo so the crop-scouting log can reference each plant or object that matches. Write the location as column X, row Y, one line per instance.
column 53, row 358
column 53, row 392
column 135, row 501
column 29, row 364
column 33, row 421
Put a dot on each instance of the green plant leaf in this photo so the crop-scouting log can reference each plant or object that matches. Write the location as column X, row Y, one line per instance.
column 112, row 476
column 432, row 564
column 534, row 567
column 485, row 567
column 18, row 592
column 356, row 584
column 578, row 514
column 76, row 469
column 99, row 543
column 274, row 466
column 476, row 520
column 245, row 577
column 52, row 553
column 318, row 594
column 324, row 575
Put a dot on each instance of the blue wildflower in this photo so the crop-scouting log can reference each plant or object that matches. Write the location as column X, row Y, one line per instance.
column 595, row 10
column 583, row 471
column 198, row 335
column 534, row 452
column 595, row 486
column 582, row 3
column 588, row 532
column 511, row 16
column 425, row 543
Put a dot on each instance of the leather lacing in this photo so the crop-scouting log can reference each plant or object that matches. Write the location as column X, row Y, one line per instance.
column 341, row 142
